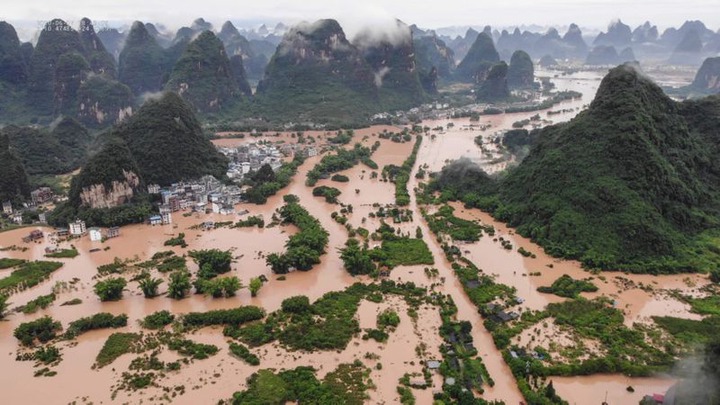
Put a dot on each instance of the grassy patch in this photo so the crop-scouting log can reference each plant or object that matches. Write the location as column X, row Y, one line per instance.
column 64, row 254
column 28, row 275
column 567, row 287
column 115, row 346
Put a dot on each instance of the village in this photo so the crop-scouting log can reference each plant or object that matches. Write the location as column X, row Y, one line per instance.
column 203, row 196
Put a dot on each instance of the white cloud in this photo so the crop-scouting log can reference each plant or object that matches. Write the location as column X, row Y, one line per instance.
column 425, row 13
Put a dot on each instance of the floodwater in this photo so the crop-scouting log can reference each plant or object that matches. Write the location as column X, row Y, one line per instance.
column 210, row 380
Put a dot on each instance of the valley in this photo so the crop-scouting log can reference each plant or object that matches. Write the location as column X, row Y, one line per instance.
column 420, row 336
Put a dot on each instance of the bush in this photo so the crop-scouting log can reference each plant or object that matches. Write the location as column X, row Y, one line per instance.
column 567, row 287
column 236, row 316
column 296, row 305
column 356, row 260
column 243, row 353
column 115, row 346
column 157, row 320
column 211, row 262
column 255, row 285
column 110, row 289
column 330, row 193
column 42, row 329
column 177, row 241
column 98, row 321
column 42, row 301
column 218, row 287
column 388, row 318
column 340, row 178
column 198, row 351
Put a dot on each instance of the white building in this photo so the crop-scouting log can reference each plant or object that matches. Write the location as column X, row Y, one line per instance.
column 77, row 228
column 95, row 234
column 166, row 217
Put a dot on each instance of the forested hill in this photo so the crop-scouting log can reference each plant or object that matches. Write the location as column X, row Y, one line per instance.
column 167, row 142
column 632, row 183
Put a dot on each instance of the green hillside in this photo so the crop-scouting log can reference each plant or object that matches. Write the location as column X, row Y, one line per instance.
column 632, row 183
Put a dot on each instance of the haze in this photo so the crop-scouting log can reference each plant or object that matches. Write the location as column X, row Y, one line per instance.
column 594, row 14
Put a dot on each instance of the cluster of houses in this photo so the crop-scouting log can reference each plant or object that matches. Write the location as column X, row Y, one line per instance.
column 249, row 158
column 205, row 195
column 38, row 197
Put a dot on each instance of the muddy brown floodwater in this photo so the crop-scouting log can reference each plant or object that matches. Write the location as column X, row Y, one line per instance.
column 216, row 378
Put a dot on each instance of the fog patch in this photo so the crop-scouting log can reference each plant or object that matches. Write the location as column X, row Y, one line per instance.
column 151, row 96
column 379, row 75
column 395, row 33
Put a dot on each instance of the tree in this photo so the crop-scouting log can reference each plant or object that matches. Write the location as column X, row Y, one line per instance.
column 211, row 262
column 179, row 285
column 110, row 289
column 356, row 260
column 550, row 391
column 715, row 276
column 418, row 233
column 255, row 286
column 278, row 263
column 264, row 175
column 4, row 304
column 218, row 287
column 149, row 286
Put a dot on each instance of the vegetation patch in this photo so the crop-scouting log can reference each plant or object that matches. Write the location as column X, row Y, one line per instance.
column 347, row 384
column 157, row 320
column 242, row 352
column 27, row 275
column 177, row 241
column 400, row 250
column 42, row 329
column 194, row 350
column 401, row 175
column 251, row 221
column 303, row 249
column 266, row 182
column 110, row 289
column 567, row 287
column 101, row 320
column 40, row 302
column 343, row 159
column 63, row 253
column 329, row 193
column 235, row 316
column 116, row 345
column 443, row 221
column 6, row 263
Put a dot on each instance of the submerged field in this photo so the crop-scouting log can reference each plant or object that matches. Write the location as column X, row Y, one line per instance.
column 419, row 301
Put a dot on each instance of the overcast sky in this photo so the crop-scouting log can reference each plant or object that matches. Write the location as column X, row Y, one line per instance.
column 427, row 14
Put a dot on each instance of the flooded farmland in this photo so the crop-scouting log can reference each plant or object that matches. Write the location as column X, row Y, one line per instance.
column 207, row 381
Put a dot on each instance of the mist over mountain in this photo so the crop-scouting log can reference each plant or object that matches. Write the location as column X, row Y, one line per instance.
column 203, row 75
column 142, row 63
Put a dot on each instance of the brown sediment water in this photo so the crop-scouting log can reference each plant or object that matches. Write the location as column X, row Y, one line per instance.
column 511, row 268
column 587, row 390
